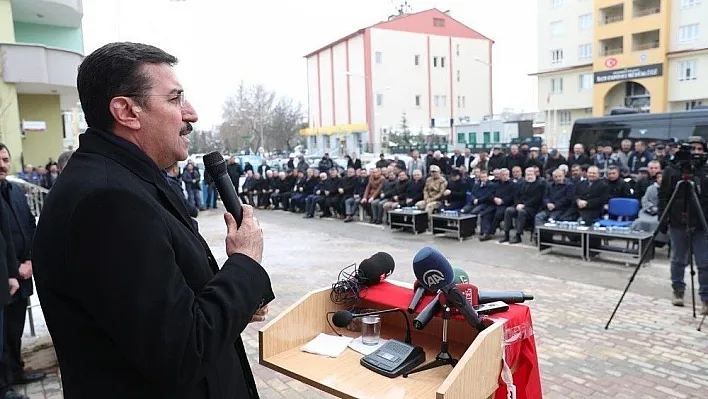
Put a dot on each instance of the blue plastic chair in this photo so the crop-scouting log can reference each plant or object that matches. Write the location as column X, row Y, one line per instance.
column 622, row 211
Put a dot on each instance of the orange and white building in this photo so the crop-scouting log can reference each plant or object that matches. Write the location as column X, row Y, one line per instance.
column 426, row 65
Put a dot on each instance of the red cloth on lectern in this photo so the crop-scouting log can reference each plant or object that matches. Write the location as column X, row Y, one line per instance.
column 520, row 345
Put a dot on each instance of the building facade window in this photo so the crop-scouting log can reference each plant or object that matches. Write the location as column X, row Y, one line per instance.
column 458, row 75
column 464, row 102
column 557, row 28
column 556, row 56
column 564, row 117
column 556, row 3
column 435, row 61
column 486, row 137
column 442, row 62
column 439, row 22
column 585, row 51
column 472, row 138
column 688, row 33
column 417, row 100
column 556, row 85
column 437, row 101
column 497, row 138
column 416, row 60
column 585, row 81
column 443, row 101
column 379, row 99
column 457, row 49
column 689, row 3
column 687, row 70
column 461, row 137
column 379, row 57
column 585, row 22
column 692, row 104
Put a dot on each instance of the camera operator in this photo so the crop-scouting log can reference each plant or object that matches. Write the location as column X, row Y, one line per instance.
column 693, row 164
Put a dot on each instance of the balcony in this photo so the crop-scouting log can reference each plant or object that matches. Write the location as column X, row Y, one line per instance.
column 642, row 8
column 645, row 40
column 612, row 14
column 36, row 69
column 611, row 46
column 67, row 13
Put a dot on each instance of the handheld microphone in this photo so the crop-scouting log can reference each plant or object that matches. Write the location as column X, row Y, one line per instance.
column 215, row 165
column 504, row 296
column 342, row 318
column 435, row 273
column 470, row 293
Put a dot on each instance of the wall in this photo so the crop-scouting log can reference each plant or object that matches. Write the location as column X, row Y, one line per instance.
column 38, row 147
column 48, row 35
column 9, row 113
column 686, row 16
column 7, row 33
column 571, row 97
column 688, row 89
column 572, row 37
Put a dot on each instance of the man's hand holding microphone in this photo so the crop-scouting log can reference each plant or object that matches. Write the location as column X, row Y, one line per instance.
column 246, row 240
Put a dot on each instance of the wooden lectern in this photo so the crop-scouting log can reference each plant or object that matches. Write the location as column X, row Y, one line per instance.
column 475, row 376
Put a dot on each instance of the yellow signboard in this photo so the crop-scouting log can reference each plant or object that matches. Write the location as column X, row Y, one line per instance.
column 338, row 129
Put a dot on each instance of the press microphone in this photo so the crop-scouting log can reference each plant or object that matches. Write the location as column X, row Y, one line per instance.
column 428, row 312
column 343, row 318
column 460, row 277
column 504, row 296
column 215, row 165
column 435, row 273
column 375, row 268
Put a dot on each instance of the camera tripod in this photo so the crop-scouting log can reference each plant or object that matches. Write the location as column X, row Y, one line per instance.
column 444, row 357
column 690, row 198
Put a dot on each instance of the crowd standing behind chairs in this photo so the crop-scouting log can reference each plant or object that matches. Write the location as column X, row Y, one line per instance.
column 511, row 193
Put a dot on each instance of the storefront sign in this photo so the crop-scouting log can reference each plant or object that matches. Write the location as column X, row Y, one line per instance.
column 640, row 72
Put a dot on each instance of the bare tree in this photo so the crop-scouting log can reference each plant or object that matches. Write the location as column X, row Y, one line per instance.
column 253, row 118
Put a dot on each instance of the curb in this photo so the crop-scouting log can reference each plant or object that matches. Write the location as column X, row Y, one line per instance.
column 38, row 354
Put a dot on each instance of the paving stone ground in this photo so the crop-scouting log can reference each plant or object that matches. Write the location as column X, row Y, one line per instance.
column 651, row 350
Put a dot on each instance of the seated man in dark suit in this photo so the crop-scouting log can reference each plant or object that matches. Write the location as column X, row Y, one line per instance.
column 455, row 195
column 589, row 199
column 527, row 201
column 503, row 197
column 133, row 297
column 556, row 200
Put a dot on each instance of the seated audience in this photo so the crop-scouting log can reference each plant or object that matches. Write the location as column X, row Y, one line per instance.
column 527, row 201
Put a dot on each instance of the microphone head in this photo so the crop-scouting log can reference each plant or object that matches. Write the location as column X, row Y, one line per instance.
column 432, row 269
column 461, row 276
column 470, row 291
column 214, row 164
column 342, row 318
column 375, row 268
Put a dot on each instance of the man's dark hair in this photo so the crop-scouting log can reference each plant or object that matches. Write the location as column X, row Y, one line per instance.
column 614, row 167
column 116, row 70
column 4, row 147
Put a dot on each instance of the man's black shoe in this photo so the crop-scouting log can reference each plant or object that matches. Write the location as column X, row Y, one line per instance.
column 505, row 238
column 28, row 377
column 515, row 240
column 11, row 394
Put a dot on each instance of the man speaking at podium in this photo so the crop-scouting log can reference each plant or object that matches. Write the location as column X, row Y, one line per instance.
column 134, row 300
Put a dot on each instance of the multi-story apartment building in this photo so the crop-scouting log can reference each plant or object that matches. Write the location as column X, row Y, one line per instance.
column 41, row 47
column 598, row 55
column 426, row 65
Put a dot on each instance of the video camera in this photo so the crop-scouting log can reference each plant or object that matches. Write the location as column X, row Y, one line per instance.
column 688, row 161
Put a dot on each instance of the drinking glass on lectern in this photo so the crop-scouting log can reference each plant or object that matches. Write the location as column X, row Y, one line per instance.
column 370, row 330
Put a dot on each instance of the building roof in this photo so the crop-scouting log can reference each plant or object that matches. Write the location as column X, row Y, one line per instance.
column 408, row 22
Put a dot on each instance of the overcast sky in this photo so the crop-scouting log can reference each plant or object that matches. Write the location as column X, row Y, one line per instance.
column 221, row 42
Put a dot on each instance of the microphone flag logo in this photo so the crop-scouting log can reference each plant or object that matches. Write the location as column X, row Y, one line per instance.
column 432, row 278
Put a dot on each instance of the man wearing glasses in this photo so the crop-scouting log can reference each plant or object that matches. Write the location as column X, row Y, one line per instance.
column 683, row 229
column 133, row 297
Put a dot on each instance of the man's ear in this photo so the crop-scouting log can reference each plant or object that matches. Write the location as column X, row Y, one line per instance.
column 125, row 112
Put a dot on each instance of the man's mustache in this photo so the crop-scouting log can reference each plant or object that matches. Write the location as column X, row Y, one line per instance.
column 186, row 128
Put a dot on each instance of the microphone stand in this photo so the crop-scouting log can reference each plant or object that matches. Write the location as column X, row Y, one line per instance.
column 444, row 357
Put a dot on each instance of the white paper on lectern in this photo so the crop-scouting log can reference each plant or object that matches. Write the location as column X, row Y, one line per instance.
column 365, row 350
column 327, row 345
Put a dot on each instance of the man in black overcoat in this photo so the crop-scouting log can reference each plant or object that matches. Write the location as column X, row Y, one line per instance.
column 134, row 300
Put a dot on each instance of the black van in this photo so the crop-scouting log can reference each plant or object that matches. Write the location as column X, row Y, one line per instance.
column 639, row 126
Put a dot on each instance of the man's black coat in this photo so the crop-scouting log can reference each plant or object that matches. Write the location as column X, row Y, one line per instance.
column 133, row 297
